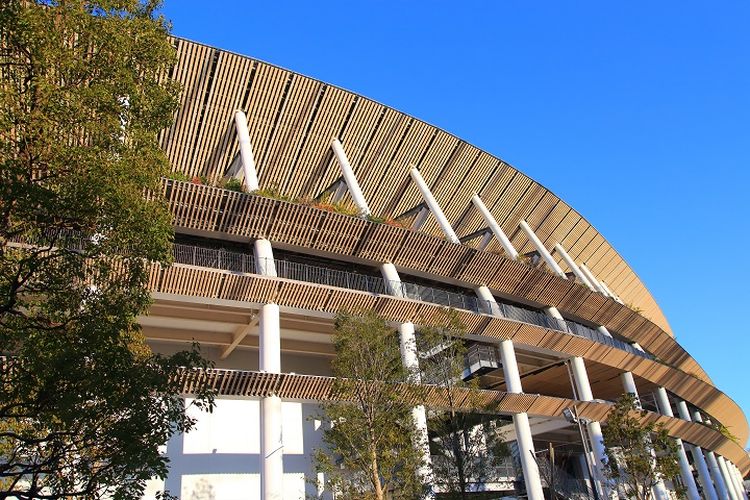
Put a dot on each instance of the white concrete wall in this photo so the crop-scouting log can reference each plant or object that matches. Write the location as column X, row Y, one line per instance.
column 219, row 458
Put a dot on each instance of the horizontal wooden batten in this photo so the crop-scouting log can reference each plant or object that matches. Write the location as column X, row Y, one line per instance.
column 312, row 388
column 254, row 289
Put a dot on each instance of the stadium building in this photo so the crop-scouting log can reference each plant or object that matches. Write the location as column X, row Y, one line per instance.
column 558, row 324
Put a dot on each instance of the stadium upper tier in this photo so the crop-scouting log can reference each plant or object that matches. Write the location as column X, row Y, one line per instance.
column 292, row 119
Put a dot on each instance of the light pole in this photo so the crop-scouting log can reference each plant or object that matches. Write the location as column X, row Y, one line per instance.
column 571, row 415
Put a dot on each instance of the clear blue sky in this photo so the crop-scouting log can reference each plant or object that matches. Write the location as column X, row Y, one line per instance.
column 635, row 113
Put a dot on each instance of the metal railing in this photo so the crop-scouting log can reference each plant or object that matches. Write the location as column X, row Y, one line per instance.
column 245, row 263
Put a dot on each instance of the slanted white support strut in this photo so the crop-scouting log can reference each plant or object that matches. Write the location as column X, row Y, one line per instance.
column 508, row 247
column 271, row 446
column 593, row 280
column 246, row 151
column 350, row 178
column 574, row 267
column 685, row 473
column 521, row 422
column 551, row 263
column 704, row 476
column 432, row 204
column 583, row 389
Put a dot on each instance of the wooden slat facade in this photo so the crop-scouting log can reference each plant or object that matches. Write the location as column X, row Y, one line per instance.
column 292, row 119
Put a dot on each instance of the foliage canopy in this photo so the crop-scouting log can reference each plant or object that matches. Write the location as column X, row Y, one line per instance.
column 639, row 454
column 371, row 443
column 84, row 403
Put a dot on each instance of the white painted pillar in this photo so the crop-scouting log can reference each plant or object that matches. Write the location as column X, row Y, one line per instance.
column 246, row 151
column 603, row 330
column 410, row 361
column 484, row 294
column 740, row 480
column 433, row 206
column 718, row 477
column 553, row 312
column 662, row 400
column 727, row 480
column 521, row 423
column 593, row 279
column 264, row 262
column 704, row 476
column 351, row 180
column 510, row 251
column 732, row 471
column 628, row 384
column 583, row 389
column 551, row 263
column 392, row 279
column 573, row 266
column 271, row 447
column 714, row 466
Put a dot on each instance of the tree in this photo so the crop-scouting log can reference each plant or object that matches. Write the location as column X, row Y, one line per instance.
column 84, row 403
column 639, row 454
column 370, row 443
column 466, row 446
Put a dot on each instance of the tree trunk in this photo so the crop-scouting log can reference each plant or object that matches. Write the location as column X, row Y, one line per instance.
column 375, row 474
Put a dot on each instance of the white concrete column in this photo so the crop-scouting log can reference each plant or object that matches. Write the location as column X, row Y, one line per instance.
column 731, row 489
column 551, row 263
column 593, row 279
column 351, row 180
column 740, row 480
column 270, row 339
column 246, row 151
column 583, row 389
column 662, row 400
column 718, row 477
column 553, row 312
column 573, row 266
column 410, row 361
column 264, row 261
column 508, row 247
column 269, row 329
column 484, row 294
column 392, row 279
column 713, row 465
column 704, row 476
column 521, row 423
column 433, row 206
column 628, row 384
column 738, row 488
